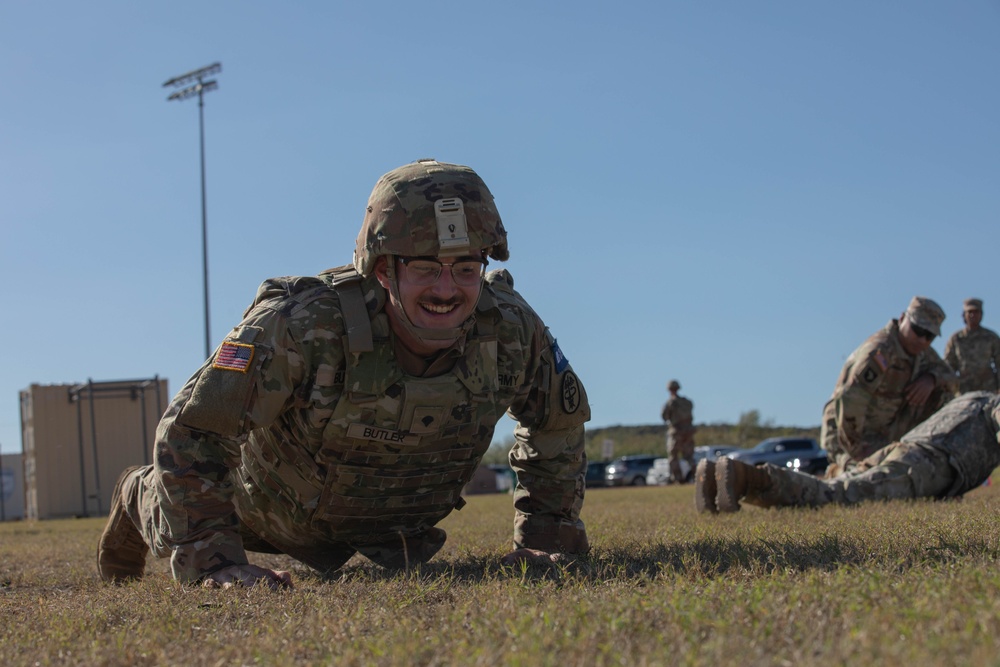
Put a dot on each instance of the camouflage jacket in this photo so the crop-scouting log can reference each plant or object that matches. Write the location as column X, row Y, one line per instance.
column 314, row 435
column 967, row 430
column 868, row 408
column 975, row 355
column 678, row 412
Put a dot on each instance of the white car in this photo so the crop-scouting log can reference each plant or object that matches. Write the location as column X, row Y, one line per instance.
column 659, row 474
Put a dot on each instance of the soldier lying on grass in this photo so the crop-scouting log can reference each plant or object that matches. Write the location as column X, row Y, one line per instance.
column 951, row 453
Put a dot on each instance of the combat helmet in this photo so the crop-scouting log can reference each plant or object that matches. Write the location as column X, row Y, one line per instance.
column 673, row 385
column 430, row 209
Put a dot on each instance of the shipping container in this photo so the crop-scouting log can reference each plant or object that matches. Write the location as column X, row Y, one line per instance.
column 77, row 438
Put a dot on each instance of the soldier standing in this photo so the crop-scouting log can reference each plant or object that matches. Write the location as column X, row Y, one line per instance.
column 951, row 453
column 974, row 352
column 891, row 383
column 345, row 413
column 678, row 413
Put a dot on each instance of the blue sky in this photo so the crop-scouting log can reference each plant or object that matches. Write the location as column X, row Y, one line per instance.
column 731, row 193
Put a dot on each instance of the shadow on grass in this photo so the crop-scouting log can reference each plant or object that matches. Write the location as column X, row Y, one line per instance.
column 709, row 557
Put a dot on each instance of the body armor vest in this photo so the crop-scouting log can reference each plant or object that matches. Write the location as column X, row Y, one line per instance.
column 396, row 450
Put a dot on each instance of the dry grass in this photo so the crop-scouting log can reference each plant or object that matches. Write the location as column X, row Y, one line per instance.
column 900, row 583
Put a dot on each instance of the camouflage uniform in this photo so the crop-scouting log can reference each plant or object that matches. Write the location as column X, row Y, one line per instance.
column 975, row 355
column 868, row 408
column 678, row 412
column 950, row 454
column 304, row 435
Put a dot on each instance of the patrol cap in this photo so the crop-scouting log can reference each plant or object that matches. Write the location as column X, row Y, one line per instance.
column 673, row 385
column 973, row 304
column 926, row 314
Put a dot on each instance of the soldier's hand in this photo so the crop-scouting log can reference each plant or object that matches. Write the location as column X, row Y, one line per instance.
column 248, row 575
column 918, row 391
column 532, row 556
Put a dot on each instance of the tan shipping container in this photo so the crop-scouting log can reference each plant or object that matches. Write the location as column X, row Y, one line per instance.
column 78, row 438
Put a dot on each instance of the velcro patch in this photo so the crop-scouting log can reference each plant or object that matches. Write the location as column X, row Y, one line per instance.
column 234, row 357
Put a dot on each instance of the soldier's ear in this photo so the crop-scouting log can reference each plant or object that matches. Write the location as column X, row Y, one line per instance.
column 381, row 272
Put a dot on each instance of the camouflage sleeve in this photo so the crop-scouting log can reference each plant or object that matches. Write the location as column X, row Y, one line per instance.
column 854, row 397
column 245, row 385
column 548, row 454
column 944, row 377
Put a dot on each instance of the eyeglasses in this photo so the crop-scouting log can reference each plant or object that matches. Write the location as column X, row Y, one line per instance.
column 424, row 272
column 922, row 332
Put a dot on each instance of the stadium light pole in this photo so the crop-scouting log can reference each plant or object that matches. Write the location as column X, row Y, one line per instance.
column 199, row 86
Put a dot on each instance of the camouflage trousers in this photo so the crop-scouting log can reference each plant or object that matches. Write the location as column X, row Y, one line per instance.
column 898, row 471
column 323, row 555
column 680, row 445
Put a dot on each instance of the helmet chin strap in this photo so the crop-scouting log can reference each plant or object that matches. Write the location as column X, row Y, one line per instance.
column 422, row 333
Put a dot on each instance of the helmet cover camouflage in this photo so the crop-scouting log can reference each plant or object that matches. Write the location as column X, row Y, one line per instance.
column 408, row 213
column 673, row 385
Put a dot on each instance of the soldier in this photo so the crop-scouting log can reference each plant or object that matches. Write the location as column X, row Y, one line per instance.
column 974, row 352
column 894, row 381
column 345, row 413
column 951, row 453
column 678, row 413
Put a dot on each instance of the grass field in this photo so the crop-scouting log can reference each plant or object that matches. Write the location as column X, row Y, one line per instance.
column 914, row 583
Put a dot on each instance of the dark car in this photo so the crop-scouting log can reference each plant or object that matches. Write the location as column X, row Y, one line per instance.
column 802, row 454
column 629, row 470
column 595, row 474
column 712, row 452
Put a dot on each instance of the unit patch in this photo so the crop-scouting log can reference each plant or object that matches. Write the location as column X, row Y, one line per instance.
column 570, row 393
column 234, row 357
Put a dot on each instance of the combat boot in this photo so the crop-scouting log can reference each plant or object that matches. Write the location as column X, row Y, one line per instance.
column 735, row 480
column 121, row 553
column 704, row 487
column 400, row 554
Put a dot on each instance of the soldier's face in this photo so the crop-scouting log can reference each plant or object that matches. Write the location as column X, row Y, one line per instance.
column 444, row 304
column 973, row 317
column 913, row 338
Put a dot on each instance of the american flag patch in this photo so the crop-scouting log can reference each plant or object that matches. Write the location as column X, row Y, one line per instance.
column 234, row 357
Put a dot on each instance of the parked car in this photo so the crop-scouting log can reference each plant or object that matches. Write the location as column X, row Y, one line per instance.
column 506, row 478
column 595, row 474
column 659, row 473
column 785, row 451
column 712, row 452
column 815, row 465
column 629, row 470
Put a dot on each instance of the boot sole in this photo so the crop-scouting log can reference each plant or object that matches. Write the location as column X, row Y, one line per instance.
column 726, row 498
column 705, row 487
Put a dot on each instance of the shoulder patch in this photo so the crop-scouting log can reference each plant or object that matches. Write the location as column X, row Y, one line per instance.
column 570, row 391
column 233, row 357
column 869, row 374
column 561, row 361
